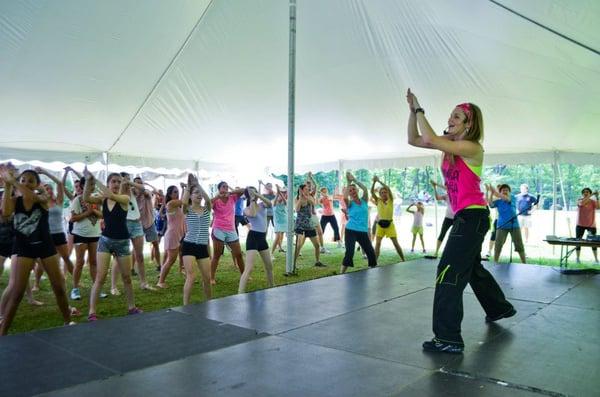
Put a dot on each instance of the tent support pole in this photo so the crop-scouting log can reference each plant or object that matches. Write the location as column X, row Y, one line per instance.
column 290, row 266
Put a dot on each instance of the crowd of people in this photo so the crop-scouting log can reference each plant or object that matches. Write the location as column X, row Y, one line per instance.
column 111, row 222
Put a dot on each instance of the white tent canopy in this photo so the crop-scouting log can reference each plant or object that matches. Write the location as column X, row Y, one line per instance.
column 198, row 82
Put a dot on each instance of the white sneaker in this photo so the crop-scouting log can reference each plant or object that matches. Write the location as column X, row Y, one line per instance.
column 577, row 261
column 323, row 250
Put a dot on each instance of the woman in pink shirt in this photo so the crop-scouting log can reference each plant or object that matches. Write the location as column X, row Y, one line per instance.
column 328, row 216
column 174, row 234
column 223, row 232
column 586, row 218
column 460, row 263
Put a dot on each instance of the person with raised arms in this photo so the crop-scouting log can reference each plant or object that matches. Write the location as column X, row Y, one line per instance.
column 223, row 232
column 174, row 234
column 33, row 240
column 256, row 241
column 135, row 228
column 55, row 218
column 460, row 263
column 280, row 218
column 304, row 227
column 86, row 232
column 114, row 239
column 507, row 222
column 194, row 247
column 357, row 229
column 385, row 216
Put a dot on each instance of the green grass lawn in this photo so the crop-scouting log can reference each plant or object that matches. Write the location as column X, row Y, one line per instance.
column 39, row 317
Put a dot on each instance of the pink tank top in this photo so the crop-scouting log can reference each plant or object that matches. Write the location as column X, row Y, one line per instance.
column 176, row 223
column 327, row 206
column 462, row 184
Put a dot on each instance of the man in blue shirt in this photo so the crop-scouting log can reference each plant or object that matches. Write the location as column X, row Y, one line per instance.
column 507, row 221
column 525, row 205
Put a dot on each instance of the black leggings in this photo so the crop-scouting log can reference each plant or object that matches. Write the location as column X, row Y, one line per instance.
column 461, row 264
column 579, row 230
column 351, row 237
column 325, row 219
column 445, row 226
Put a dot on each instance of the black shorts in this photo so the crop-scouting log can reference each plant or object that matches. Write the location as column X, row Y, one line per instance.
column 6, row 250
column 43, row 249
column 199, row 251
column 256, row 241
column 59, row 239
column 307, row 233
column 77, row 239
column 70, row 227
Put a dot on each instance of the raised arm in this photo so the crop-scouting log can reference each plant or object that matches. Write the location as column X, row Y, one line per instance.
column 87, row 190
column 8, row 201
column 430, row 139
column 505, row 197
column 362, row 187
column 408, row 209
column 265, row 200
column 66, row 191
column 192, row 180
column 374, row 197
column 435, row 185
column 60, row 196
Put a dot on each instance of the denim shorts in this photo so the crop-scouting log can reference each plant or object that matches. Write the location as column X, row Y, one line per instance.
column 112, row 246
column 225, row 236
column 151, row 234
column 135, row 228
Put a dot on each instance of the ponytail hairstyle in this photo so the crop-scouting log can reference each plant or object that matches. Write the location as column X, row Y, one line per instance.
column 473, row 116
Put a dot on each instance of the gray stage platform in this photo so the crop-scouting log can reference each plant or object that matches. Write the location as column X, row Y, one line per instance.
column 358, row 334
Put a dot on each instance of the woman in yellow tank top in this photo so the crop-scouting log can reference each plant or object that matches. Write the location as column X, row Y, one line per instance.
column 385, row 214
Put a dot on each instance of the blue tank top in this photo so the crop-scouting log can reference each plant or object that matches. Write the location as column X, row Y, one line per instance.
column 358, row 216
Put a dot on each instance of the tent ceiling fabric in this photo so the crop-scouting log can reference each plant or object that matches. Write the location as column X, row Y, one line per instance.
column 74, row 75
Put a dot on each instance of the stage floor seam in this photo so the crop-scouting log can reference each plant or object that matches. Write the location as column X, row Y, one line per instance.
column 79, row 356
column 503, row 383
column 349, row 312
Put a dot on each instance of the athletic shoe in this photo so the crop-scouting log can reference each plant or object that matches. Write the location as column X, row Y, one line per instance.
column 322, row 250
column 103, row 295
column 75, row 312
column 508, row 314
column 115, row 292
column 92, row 317
column 147, row 287
column 133, row 272
column 319, row 264
column 437, row 346
column 75, row 294
column 135, row 310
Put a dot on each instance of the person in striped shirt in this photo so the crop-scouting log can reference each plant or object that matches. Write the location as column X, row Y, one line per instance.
column 194, row 247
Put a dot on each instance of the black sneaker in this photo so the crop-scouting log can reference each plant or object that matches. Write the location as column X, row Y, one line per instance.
column 319, row 264
column 437, row 346
column 508, row 314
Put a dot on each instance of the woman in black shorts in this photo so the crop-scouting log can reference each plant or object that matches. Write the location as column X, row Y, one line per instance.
column 32, row 240
column 304, row 228
column 194, row 246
